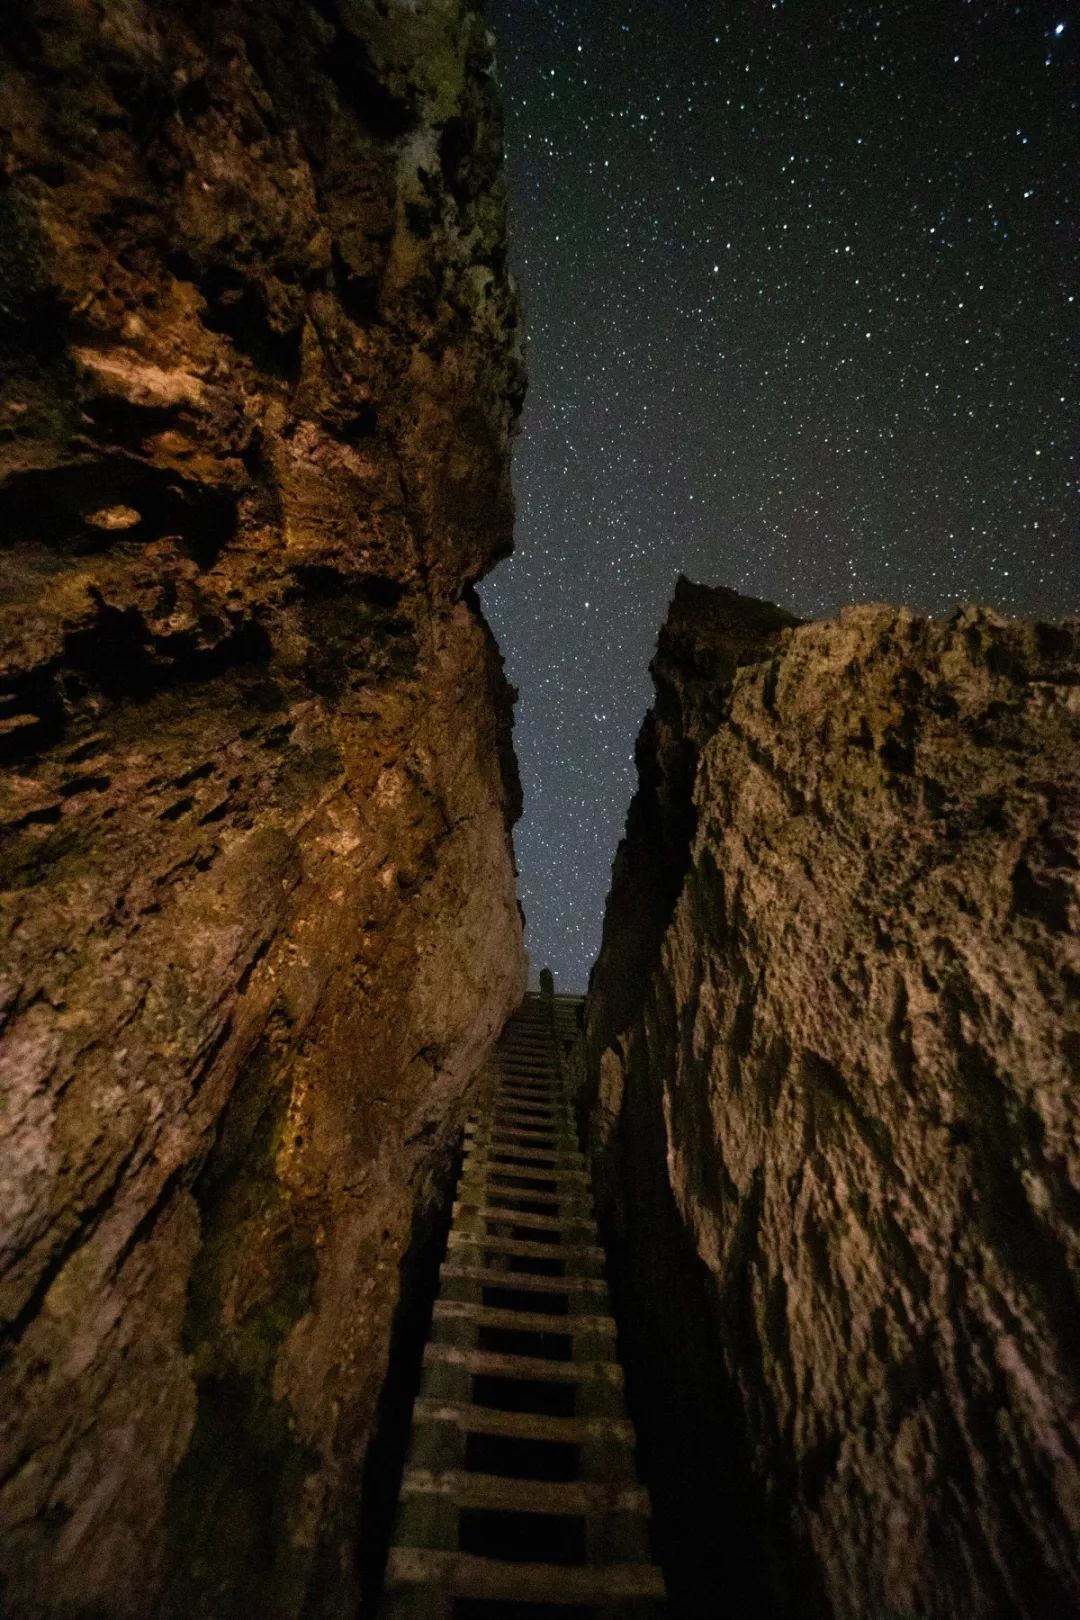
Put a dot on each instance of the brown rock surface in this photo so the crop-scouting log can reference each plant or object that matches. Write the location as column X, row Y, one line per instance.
column 834, row 1108
column 258, row 374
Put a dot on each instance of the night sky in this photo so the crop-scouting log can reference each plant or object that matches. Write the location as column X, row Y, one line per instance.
column 799, row 285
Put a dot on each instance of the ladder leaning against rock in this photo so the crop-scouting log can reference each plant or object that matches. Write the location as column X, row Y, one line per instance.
column 520, row 1487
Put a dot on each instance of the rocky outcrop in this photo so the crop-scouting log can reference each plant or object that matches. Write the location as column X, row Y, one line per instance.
column 831, row 1051
column 259, row 373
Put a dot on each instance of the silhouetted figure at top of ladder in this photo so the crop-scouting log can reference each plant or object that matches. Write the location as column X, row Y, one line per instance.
column 520, row 1495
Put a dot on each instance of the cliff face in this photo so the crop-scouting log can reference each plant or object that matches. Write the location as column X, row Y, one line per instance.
column 259, row 374
column 833, row 1106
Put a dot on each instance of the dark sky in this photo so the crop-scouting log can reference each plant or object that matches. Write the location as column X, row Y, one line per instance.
column 799, row 284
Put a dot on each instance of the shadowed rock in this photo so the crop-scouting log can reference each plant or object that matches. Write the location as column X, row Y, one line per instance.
column 834, row 1109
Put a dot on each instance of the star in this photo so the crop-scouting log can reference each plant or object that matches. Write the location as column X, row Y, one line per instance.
column 798, row 315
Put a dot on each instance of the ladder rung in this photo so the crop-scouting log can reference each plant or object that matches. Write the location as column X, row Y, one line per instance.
column 466, row 1575
column 525, row 1495
column 522, row 1425
column 508, row 1098
column 499, row 1105
column 501, row 1364
column 480, row 1159
column 535, row 1251
column 543, row 1137
column 550, row 1109
column 526, row 1195
column 525, row 1217
column 461, row 1310
column 555, row 1157
column 551, row 1118
column 554, row 1154
column 528, row 1172
column 550, row 1104
column 524, row 1280
column 549, row 1125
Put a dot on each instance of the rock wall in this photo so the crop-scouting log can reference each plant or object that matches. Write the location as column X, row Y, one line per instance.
column 831, row 1058
column 258, row 376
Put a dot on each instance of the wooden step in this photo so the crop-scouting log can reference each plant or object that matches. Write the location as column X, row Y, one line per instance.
column 487, row 1122
column 507, row 1100
column 533, row 1251
column 460, row 1310
column 523, row 1100
column 510, row 1117
column 539, row 1092
column 530, row 1155
column 501, row 1364
column 500, row 1494
column 527, row 1160
column 541, row 1136
column 466, row 1575
column 574, row 1221
column 558, row 1125
column 479, row 1175
column 563, row 1124
column 497, row 1172
column 524, row 1281
column 558, row 1148
column 509, row 1094
column 532, row 1084
column 522, row 1425
column 555, row 1142
column 472, row 1185
column 514, row 1099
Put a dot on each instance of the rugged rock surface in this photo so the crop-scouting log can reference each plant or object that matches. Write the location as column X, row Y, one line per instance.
column 832, row 1052
column 258, row 374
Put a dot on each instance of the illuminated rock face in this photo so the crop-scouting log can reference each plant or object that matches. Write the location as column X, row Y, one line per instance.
column 832, row 1057
column 259, row 374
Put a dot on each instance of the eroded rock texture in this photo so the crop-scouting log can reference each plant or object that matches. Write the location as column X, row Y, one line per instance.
column 259, row 375
column 832, row 1049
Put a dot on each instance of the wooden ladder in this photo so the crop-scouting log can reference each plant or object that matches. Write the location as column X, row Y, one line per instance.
column 520, row 1495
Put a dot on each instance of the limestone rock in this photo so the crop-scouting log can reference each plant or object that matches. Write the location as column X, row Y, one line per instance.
column 258, row 375
column 834, row 1089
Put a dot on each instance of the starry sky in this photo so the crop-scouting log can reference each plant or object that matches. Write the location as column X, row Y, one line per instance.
column 800, row 286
